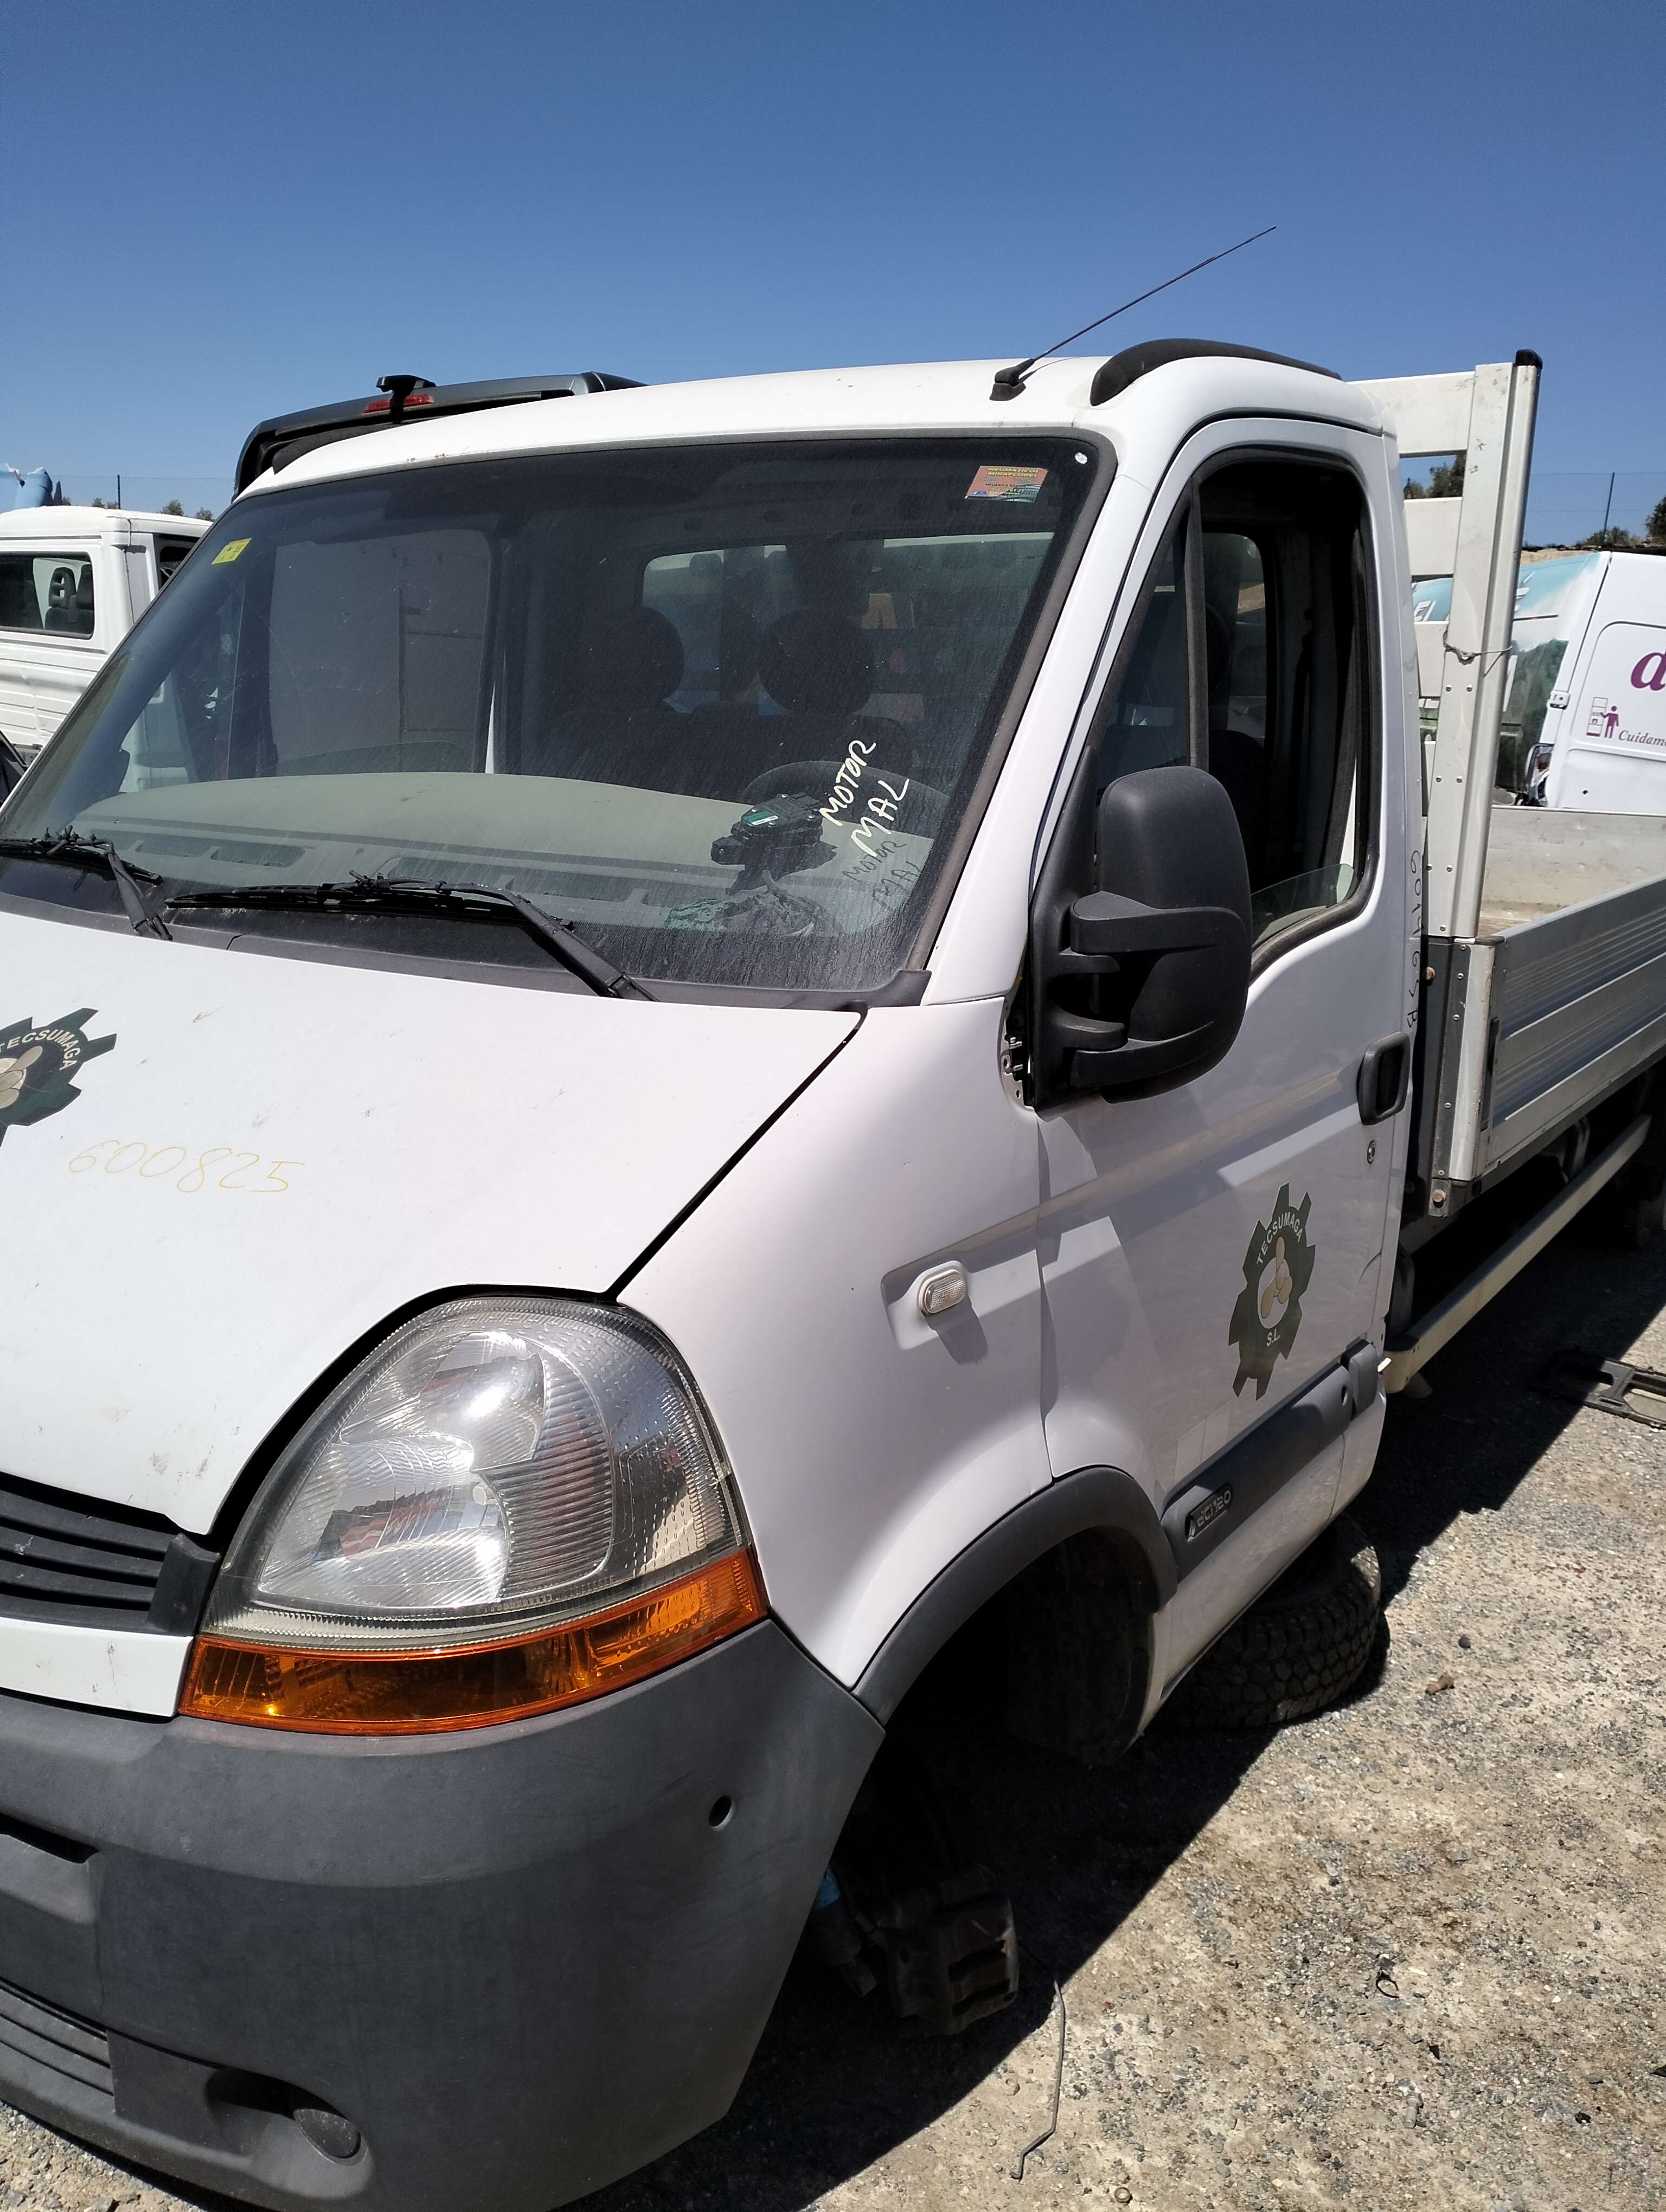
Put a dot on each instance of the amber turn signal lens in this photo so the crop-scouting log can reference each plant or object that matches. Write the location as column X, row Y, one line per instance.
column 409, row 1693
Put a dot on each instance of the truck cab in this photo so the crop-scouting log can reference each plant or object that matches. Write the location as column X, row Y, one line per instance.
column 73, row 580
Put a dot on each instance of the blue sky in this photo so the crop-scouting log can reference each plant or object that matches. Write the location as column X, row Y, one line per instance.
column 212, row 213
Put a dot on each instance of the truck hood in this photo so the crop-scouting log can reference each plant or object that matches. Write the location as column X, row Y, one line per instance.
column 219, row 1169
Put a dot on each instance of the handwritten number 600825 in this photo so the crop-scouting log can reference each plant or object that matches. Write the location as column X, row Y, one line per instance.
column 220, row 1168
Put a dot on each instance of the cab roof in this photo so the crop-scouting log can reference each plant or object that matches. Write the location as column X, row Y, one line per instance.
column 908, row 398
column 92, row 521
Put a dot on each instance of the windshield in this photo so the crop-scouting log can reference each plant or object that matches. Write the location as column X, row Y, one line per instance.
column 720, row 707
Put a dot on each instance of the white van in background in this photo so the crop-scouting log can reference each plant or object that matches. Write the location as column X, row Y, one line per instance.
column 1584, row 722
column 73, row 580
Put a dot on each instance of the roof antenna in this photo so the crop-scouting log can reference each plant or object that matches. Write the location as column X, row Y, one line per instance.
column 1009, row 382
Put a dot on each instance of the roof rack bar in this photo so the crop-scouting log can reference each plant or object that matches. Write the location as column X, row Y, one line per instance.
column 1127, row 368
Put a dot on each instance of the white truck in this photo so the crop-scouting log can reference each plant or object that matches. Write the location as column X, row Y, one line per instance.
column 657, row 1043
column 73, row 580
column 1583, row 723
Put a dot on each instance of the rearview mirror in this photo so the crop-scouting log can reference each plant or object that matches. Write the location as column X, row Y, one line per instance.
column 1140, row 985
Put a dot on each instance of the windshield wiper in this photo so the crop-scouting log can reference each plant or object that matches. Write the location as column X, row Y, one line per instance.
column 68, row 847
column 390, row 893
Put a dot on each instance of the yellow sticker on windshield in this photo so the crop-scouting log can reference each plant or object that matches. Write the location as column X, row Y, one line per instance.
column 995, row 481
column 230, row 552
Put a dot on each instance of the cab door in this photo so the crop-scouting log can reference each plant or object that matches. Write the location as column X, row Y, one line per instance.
column 1211, row 1255
column 20, row 635
column 52, row 598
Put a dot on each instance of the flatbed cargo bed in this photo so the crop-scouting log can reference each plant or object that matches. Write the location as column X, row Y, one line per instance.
column 1569, row 966
column 1541, row 861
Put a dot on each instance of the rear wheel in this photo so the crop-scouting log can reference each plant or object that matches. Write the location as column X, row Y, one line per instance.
column 1298, row 1648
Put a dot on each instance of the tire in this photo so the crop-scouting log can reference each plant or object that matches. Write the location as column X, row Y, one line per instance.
column 1076, row 1667
column 1298, row 1649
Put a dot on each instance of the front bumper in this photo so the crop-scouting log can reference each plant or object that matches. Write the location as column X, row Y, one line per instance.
column 520, row 1960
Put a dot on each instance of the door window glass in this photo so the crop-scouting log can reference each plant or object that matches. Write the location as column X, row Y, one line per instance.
column 170, row 552
column 1235, row 643
column 47, row 591
column 1278, row 622
column 1147, row 721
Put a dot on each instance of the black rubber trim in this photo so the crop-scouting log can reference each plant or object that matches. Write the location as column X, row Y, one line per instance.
column 1218, row 1500
column 87, row 1564
column 1128, row 367
column 1095, row 1498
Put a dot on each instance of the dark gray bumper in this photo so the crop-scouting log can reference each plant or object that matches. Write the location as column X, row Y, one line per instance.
column 522, row 1961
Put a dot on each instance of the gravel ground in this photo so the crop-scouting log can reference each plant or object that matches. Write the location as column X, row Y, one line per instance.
column 1407, row 1953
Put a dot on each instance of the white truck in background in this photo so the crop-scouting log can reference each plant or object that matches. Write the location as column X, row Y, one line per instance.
column 1584, row 721
column 73, row 581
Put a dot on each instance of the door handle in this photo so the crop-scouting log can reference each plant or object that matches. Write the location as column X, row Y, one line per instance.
column 1384, row 1075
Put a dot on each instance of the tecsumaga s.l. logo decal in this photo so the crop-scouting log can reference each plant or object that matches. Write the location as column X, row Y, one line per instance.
column 38, row 1063
column 1277, row 1268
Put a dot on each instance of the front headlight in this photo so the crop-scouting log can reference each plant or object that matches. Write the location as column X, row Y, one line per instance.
column 512, row 1503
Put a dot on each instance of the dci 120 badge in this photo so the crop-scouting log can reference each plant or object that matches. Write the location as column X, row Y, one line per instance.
column 1277, row 1268
column 38, row 1063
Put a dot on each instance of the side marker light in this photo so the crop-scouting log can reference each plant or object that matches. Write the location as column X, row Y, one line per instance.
column 942, row 1291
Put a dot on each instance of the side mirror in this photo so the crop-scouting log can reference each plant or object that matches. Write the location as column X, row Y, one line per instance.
column 1140, row 985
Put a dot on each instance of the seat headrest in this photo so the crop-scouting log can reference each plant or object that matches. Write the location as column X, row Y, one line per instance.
column 84, row 588
column 61, row 592
column 632, row 656
column 815, row 663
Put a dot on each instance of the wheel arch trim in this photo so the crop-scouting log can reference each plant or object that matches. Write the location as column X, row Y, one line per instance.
column 1101, row 1498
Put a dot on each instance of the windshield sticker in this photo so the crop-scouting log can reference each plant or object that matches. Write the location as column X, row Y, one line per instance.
column 996, row 481
column 230, row 552
column 37, row 1065
column 1277, row 1268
